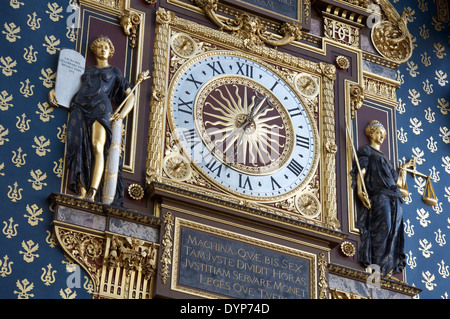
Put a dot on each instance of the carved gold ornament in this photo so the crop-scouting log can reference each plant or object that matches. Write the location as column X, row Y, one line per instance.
column 250, row 29
column 308, row 205
column 183, row 45
column 136, row 191
column 306, row 85
column 342, row 62
column 390, row 35
column 130, row 22
column 348, row 249
column 177, row 167
column 356, row 98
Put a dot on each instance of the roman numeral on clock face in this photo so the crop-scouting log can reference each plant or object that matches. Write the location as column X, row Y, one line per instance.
column 216, row 68
column 295, row 167
column 302, row 141
column 245, row 69
column 185, row 107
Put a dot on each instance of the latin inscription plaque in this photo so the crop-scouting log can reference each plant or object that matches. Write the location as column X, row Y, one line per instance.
column 240, row 267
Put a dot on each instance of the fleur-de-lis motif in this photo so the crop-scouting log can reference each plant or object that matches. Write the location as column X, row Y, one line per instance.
column 44, row 112
column 88, row 285
column 410, row 260
column 33, row 22
column 3, row 133
column 443, row 269
column 423, row 5
column 414, row 97
column 62, row 133
column 420, row 184
column 443, row 104
column 409, row 229
column 400, row 106
column 18, row 158
column 58, row 168
column 423, row 216
column 432, row 144
column 50, row 239
column 15, row 4
column 29, row 252
column 418, row 154
column 426, row 60
column 48, row 276
column 26, row 89
column 412, row 68
column 52, row 42
column 429, row 115
column 10, row 230
column 438, row 208
column 71, row 33
column 25, row 288
column 5, row 266
column 434, row 174
column 426, row 246
column 67, row 293
column 38, row 178
column 54, row 12
column 445, row 134
column 401, row 135
column 15, row 193
column 440, row 238
column 439, row 50
column 437, row 24
column 441, row 77
column 8, row 65
column 41, row 145
column 427, row 87
column 48, row 77
column 424, row 32
column 22, row 123
column 30, row 55
column 415, row 125
column 428, row 280
column 34, row 211
column 5, row 97
column 12, row 32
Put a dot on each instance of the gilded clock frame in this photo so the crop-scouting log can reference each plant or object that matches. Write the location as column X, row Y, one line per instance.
column 161, row 142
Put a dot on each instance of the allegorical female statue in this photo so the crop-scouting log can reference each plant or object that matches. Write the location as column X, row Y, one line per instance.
column 380, row 214
column 89, row 122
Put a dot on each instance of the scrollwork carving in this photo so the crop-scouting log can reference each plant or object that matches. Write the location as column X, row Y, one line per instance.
column 130, row 22
column 250, row 29
column 390, row 35
column 356, row 98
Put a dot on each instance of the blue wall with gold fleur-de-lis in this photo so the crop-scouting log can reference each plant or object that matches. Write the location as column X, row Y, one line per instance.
column 32, row 137
column 423, row 131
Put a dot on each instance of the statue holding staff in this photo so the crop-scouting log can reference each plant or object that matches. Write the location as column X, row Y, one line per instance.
column 89, row 124
column 380, row 212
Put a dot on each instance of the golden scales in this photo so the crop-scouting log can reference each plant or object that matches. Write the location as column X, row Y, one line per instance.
column 428, row 196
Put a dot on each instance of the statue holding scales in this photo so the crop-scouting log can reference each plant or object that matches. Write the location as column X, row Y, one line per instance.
column 91, row 119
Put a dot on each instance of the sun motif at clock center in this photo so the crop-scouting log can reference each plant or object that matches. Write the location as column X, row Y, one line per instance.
column 244, row 125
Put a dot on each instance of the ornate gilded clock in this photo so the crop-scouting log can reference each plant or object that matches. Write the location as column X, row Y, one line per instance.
column 243, row 126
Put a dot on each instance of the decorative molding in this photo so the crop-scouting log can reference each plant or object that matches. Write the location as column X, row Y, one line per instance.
column 323, row 282
column 167, row 245
column 250, row 29
column 389, row 284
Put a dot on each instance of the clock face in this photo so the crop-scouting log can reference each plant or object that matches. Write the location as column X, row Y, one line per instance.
column 243, row 126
